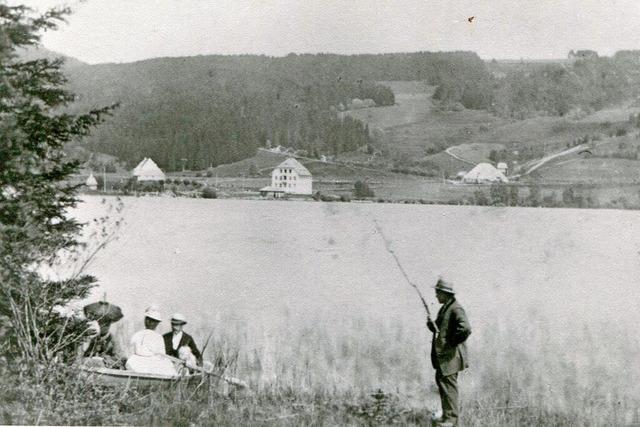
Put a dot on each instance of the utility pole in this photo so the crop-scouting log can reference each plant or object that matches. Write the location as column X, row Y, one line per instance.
column 104, row 178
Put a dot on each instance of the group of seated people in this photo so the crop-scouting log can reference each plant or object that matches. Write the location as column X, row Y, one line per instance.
column 173, row 353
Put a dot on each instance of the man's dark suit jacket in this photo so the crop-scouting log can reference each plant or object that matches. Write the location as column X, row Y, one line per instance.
column 448, row 351
column 185, row 340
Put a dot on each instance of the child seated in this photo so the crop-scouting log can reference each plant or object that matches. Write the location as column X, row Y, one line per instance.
column 190, row 362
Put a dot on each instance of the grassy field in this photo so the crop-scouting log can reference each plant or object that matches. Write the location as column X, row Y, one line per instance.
column 475, row 152
column 414, row 125
column 592, row 170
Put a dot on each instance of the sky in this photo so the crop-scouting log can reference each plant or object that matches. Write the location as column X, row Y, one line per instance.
column 130, row 30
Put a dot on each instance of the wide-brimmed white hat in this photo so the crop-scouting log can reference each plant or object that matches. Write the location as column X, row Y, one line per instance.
column 178, row 318
column 444, row 285
column 153, row 313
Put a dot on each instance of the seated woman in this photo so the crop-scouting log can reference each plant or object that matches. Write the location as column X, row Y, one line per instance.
column 148, row 348
column 100, row 346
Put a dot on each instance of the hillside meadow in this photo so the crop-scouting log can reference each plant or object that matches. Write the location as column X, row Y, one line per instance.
column 303, row 302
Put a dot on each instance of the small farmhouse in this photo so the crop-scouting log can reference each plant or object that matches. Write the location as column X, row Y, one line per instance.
column 484, row 173
column 289, row 177
column 147, row 170
column 91, row 182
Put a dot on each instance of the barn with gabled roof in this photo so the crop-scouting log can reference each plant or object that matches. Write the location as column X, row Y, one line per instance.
column 148, row 170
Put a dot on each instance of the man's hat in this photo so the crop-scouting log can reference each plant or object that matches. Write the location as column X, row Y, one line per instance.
column 444, row 286
column 153, row 313
column 178, row 319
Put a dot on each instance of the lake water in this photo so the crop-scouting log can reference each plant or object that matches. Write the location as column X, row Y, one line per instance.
column 254, row 260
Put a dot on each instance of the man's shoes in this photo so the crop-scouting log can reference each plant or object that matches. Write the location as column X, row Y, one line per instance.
column 439, row 422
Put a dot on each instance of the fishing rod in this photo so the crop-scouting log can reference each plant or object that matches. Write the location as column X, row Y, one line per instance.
column 387, row 245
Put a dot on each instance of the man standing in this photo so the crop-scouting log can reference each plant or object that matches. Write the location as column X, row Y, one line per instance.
column 448, row 351
column 177, row 339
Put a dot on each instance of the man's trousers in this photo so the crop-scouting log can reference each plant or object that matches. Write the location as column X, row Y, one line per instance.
column 448, row 388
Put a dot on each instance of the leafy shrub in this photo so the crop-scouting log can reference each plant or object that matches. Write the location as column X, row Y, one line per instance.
column 362, row 190
column 480, row 198
column 253, row 170
column 381, row 409
column 499, row 194
column 534, row 196
column 209, row 193
column 621, row 132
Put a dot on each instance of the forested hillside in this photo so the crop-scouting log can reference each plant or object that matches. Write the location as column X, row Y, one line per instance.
column 211, row 110
column 218, row 109
column 528, row 89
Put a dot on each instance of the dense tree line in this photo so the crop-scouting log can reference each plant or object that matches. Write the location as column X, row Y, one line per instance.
column 556, row 89
column 217, row 109
column 528, row 89
column 212, row 110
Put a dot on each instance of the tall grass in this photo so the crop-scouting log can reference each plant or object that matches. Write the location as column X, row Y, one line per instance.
column 374, row 373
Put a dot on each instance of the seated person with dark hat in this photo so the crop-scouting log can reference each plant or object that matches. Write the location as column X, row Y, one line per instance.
column 100, row 344
column 178, row 343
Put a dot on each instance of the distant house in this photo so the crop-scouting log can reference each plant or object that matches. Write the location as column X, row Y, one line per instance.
column 484, row 173
column 289, row 177
column 147, row 170
column 91, row 182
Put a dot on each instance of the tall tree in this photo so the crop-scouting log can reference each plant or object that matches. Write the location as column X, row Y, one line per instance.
column 35, row 193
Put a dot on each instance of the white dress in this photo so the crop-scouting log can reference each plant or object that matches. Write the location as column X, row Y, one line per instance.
column 148, row 348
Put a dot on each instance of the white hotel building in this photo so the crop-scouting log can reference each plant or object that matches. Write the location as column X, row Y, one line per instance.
column 289, row 177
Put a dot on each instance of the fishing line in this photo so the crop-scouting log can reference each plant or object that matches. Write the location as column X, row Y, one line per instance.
column 387, row 245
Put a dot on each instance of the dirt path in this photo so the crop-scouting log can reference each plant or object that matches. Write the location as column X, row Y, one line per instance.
column 547, row 159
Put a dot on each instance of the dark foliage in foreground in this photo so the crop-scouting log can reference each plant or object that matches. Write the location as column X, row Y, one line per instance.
column 34, row 199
